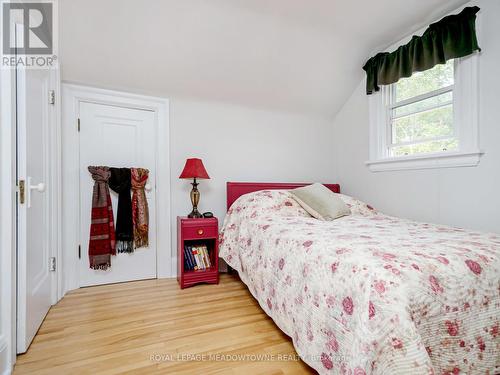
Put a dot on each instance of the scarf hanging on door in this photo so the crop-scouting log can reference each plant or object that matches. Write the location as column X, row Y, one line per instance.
column 140, row 214
column 102, row 228
column 120, row 182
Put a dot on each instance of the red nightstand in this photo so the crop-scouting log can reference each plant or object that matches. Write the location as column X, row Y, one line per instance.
column 195, row 232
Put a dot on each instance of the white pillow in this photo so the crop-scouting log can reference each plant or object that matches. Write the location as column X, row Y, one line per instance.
column 320, row 202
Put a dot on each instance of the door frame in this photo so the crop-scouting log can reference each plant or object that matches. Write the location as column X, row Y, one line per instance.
column 8, row 192
column 72, row 96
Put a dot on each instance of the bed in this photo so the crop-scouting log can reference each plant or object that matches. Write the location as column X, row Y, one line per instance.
column 367, row 293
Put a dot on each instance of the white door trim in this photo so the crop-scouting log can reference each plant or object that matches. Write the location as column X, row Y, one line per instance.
column 8, row 274
column 55, row 168
column 72, row 95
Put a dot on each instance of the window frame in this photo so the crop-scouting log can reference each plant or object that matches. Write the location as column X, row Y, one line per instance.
column 465, row 122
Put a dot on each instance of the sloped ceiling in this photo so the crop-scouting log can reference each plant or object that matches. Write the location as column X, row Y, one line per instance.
column 291, row 55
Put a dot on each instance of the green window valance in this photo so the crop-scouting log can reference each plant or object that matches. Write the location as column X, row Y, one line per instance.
column 452, row 37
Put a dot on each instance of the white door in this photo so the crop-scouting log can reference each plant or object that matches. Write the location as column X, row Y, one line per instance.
column 116, row 137
column 34, row 280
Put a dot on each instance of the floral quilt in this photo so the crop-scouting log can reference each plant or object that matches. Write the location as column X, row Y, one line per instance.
column 369, row 293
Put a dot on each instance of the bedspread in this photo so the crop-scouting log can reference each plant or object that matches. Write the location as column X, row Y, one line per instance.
column 369, row 293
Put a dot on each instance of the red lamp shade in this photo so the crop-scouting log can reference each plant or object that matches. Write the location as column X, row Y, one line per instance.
column 194, row 169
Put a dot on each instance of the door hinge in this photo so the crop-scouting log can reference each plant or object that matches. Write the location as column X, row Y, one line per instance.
column 52, row 264
column 79, row 251
column 78, row 124
column 52, row 97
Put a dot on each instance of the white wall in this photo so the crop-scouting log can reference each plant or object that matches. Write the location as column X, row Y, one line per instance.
column 236, row 143
column 466, row 197
column 243, row 144
column 251, row 92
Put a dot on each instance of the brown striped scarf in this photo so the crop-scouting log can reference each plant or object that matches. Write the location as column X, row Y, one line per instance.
column 102, row 228
column 140, row 214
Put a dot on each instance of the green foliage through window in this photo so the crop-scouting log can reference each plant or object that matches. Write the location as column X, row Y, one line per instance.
column 422, row 82
column 425, row 124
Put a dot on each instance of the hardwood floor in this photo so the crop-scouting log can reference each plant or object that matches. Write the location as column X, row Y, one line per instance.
column 153, row 327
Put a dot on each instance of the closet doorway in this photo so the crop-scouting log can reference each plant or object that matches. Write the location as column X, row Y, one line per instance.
column 116, row 137
column 115, row 130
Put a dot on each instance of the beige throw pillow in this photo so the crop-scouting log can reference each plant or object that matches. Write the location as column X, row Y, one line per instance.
column 320, row 202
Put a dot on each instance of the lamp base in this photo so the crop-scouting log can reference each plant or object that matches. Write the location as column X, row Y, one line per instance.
column 195, row 199
column 195, row 214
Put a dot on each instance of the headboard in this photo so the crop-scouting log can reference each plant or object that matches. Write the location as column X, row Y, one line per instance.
column 237, row 189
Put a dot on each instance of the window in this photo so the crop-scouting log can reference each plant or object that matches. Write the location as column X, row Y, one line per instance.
column 421, row 113
column 428, row 120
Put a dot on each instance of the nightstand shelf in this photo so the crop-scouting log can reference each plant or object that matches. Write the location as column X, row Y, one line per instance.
column 195, row 232
column 211, row 269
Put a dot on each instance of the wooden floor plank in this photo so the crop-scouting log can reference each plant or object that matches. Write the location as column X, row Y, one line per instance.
column 153, row 327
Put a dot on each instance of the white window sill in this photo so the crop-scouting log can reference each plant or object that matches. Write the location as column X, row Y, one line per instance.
column 441, row 160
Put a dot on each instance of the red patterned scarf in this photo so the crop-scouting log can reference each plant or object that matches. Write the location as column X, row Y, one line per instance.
column 102, row 228
column 140, row 214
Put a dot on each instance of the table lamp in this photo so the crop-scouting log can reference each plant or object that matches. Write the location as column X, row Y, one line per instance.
column 194, row 169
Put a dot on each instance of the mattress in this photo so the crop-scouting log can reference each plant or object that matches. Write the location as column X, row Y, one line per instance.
column 369, row 293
